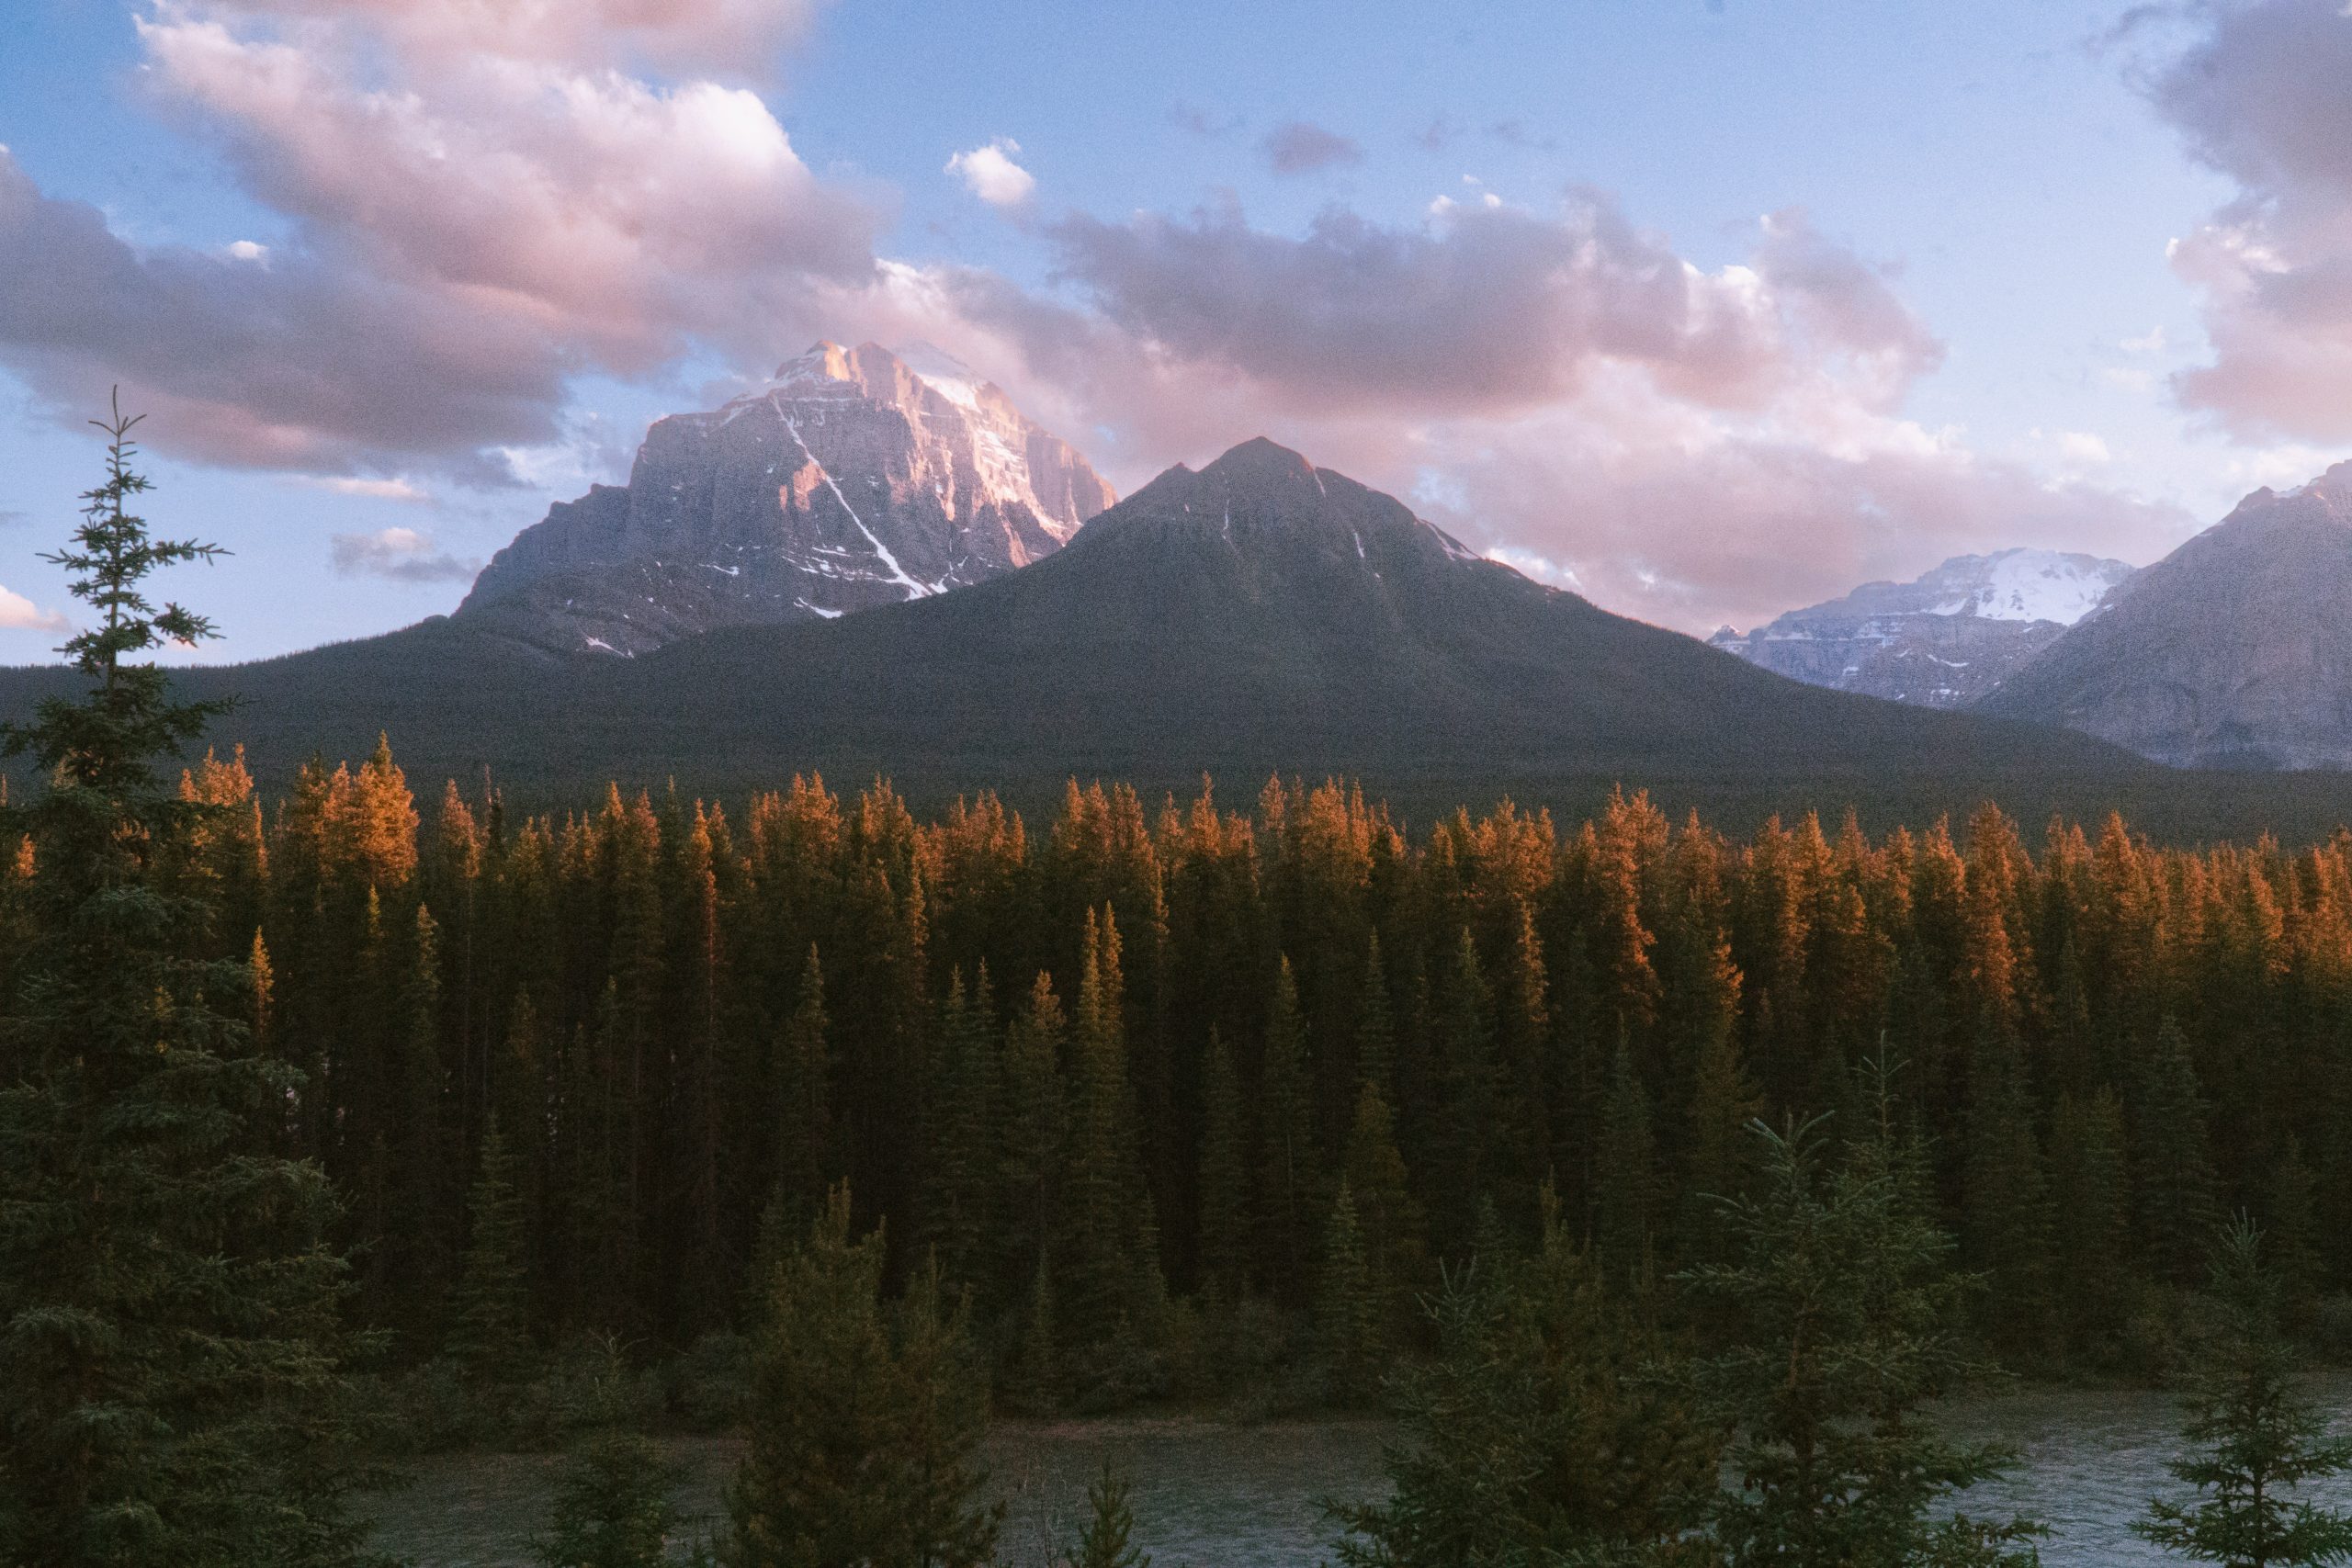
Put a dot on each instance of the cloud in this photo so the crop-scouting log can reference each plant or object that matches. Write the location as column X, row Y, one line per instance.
column 481, row 206
column 720, row 36
column 1298, row 147
column 990, row 173
column 21, row 614
column 1491, row 309
column 2257, row 93
column 375, row 490
column 403, row 555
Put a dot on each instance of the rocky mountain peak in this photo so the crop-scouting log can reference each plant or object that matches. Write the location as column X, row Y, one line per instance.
column 2235, row 650
column 1943, row 640
column 855, row 477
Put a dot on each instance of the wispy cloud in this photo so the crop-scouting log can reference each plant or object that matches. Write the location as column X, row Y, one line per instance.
column 19, row 612
column 1301, row 147
column 403, row 555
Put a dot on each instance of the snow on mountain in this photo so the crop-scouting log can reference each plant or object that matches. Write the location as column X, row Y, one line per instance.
column 853, row 478
column 1943, row 640
column 2023, row 584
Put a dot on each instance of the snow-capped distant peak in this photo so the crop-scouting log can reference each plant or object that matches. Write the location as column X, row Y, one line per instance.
column 2022, row 585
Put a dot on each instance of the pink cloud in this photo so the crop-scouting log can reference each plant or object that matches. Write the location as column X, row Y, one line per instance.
column 2259, row 94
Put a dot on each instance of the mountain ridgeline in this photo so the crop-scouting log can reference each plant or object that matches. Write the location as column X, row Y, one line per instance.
column 1260, row 614
column 2235, row 650
column 1944, row 639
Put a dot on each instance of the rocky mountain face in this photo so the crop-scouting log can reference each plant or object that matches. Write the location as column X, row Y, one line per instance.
column 856, row 477
column 2235, row 650
column 1944, row 639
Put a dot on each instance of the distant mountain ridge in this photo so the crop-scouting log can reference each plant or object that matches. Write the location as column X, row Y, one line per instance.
column 1258, row 614
column 856, row 477
column 2235, row 650
column 1944, row 639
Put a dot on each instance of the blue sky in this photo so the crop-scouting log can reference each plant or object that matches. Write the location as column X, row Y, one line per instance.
column 1944, row 268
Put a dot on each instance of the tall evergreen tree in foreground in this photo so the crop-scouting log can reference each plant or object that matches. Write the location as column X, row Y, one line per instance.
column 865, row 1418
column 612, row 1506
column 2255, row 1438
column 1847, row 1316
column 169, row 1384
column 1541, row 1433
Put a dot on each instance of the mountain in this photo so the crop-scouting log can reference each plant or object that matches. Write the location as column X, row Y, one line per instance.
column 1941, row 640
column 2234, row 650
column 856, row 477
column 1259, row 613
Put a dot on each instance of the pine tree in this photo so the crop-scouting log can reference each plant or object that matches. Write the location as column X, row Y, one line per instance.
column 1225, row 1179
column 1626, row 1174
column 1350, row 1316
column 1105, row 1277
column 1459, row 1160
column 2255, row 1438
column 2172, row 1158
column 961, row 1181
column 2005, row 1236
column 612, row 1506
column 1377, row 1181
column 2091, row 1193
column 1289, row 1173
column 1111, row 1522
column 1846, row 1320
column 491, row 1309
column 169, row 1391
column 805, row 1152
column 1034, row 1124
column 1549, row 1428
column 865, row 1419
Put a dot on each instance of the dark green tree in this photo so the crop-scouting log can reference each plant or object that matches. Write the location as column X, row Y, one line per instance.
column 2172, row 1160
column 1289, row 1170
column 1625, row 1176
column 2091, row 1192
column 2254, row 1437
column 2006, row 1235
column 1225, row 1179
column 1111, row 1522
column 865, row 1419
column 1846, row 1318
column 1351, row 1316
column 1543, row 1432
column 490, row 1329
column 170, row 1392
column 614, row 1504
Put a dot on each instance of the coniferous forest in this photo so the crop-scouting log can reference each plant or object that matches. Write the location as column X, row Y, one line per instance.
column 1651, row 1177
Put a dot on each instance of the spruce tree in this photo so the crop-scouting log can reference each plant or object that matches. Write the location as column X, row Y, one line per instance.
column 866, row 1418
column 1391, row 1221
column 491, row 1309
column 1289, row 1171
column 1350, row 1316
column 1548, row 1429
column 614, row 1504
column 2005, row 1233
column 169, row 1345
column 1225, row 1179
column 1626, row 1174
column 805, row 1152
column 2255, row 1438
column 2091, row 1192
column 2172, row 1156
column 1845, row 1320
column 1105, row 1542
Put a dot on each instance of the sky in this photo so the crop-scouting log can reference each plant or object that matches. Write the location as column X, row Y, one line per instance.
column 1705, row 309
